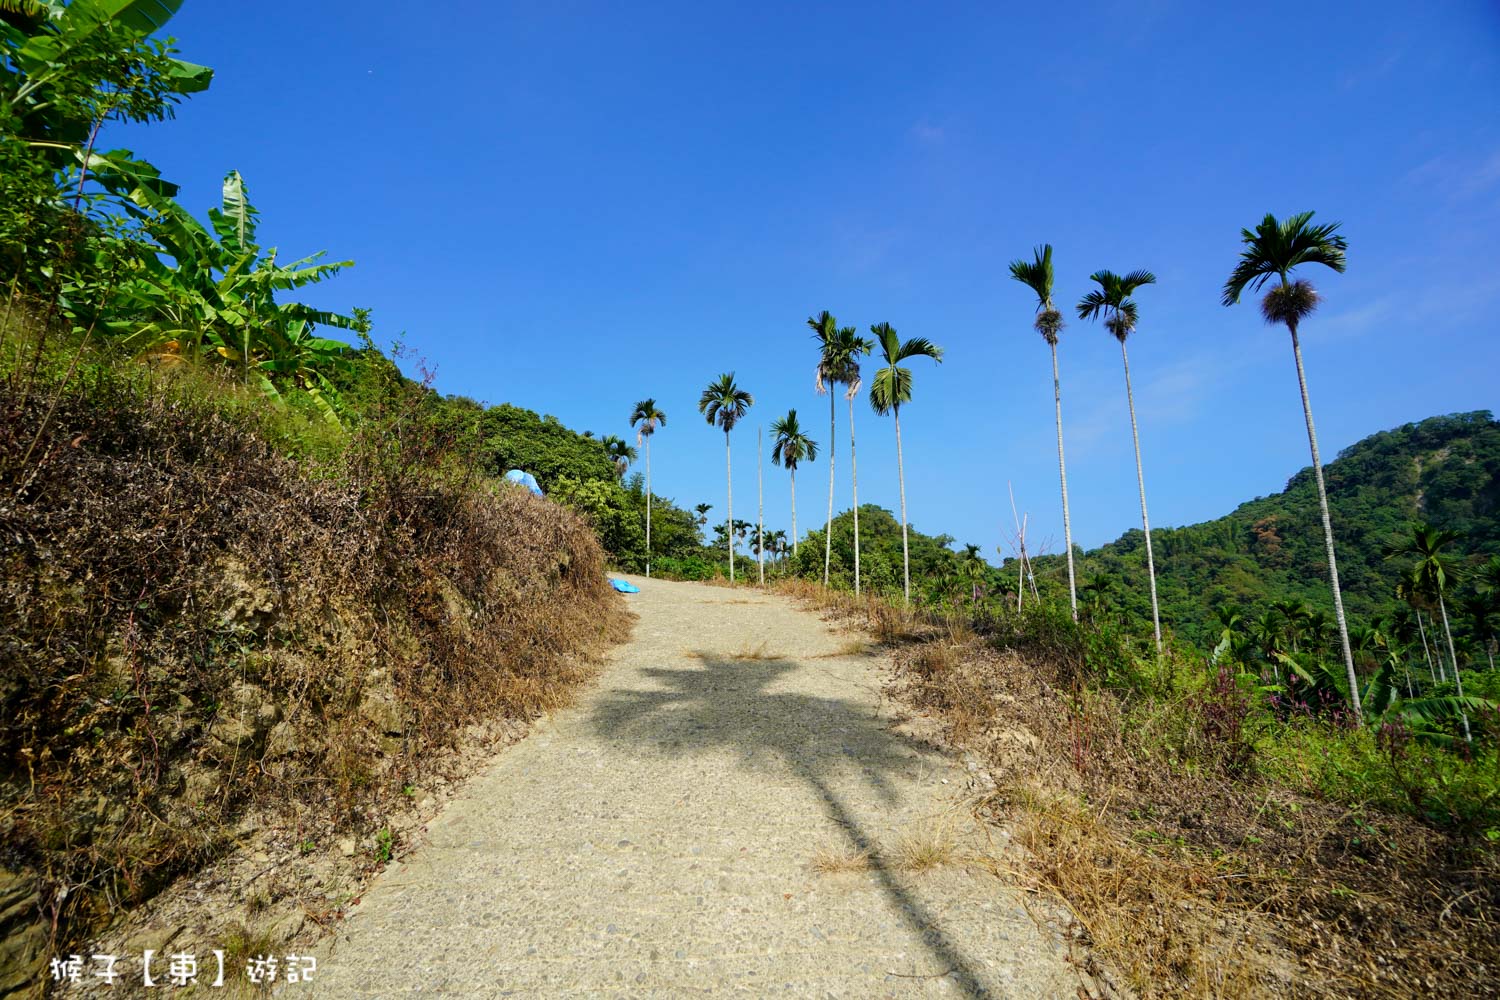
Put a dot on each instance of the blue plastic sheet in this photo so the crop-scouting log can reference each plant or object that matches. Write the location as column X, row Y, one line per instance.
column 624, row 586
column 525, row 479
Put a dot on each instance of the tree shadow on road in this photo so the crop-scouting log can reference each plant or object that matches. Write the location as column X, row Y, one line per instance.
column 729, row 705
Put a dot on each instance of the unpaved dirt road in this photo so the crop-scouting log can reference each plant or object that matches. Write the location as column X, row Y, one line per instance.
column 661, row 837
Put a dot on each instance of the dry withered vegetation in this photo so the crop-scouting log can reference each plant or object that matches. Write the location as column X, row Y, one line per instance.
column 1190, row 872
column 193, row 626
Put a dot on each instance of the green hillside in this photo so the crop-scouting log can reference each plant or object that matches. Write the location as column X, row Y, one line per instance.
column 1445, row 470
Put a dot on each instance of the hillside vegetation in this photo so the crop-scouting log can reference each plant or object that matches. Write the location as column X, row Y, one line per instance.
column 1445, row 470
column 200, row 627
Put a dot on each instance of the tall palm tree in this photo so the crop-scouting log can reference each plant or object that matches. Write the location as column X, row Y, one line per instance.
column 1409, row 591
column 760, row 506
column 649, row 416
column 825, row 330
column 620, row 453
column 1489, row 576
column 839, row 349
column 1430, row 574
column 892, row 388
column 1037, row 275
column 1481, row 608
column 1111, row 302
column 724, row 403
column 1273, row 250
column 853, row 347
column 790, row 449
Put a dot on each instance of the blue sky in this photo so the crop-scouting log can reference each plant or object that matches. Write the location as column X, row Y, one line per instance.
column 572, row 206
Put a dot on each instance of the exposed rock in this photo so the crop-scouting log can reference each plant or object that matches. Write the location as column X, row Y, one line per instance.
column 383, row 709
column 200, row 783
column 23, row 934
column 287, row 927
column 244, row 720
column 246, row 599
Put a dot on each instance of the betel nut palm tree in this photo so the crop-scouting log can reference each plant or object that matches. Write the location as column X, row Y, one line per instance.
column 1037, row 275
column 1429, row 573
column 838, row 351
column 724, row 403
column 1111, row 303
column 1273, row 250
column 890, row 390
column 790, row 448
column 647, row 417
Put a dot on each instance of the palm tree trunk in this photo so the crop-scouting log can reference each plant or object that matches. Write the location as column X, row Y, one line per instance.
column 1062, row 471
column 760, row 518
column 1427, row 652
column 10, row 302
column 1140, row 478
column 854, row 471
column 648, row 508
column 1333, row 566
column 828, row 533
column 729, row 481
column 794, row 511
column 1457, row 680
column 901, row 477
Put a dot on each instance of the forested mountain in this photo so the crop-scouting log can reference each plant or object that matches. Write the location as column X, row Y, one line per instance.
column 1444, row 470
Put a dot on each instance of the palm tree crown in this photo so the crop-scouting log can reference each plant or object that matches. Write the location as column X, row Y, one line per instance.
column 1037, row 275
column 649, row 416
column 892, row 385
column 724, row 403
column 1429, row 571
column 792, row 447
column 619, row 451
column 1111, row 300
column 1274, row 248
column 839, row 351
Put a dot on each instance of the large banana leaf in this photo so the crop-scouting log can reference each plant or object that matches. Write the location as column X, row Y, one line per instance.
column 235, row 222
column 120, row 173
column 144, row 16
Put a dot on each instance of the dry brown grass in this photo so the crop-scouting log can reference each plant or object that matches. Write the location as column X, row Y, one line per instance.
column 840, row 858
column 849, row 647
column 1192, row 877
column 925, row 849
column 1150, row 915
column 195, row 625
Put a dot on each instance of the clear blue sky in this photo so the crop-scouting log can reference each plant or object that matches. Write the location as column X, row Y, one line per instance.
column 572, row 206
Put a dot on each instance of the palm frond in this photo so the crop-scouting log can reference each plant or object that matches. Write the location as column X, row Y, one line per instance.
column 919, row 347
column 1092, row 304
column 887, row 340
column 1037, row 275
column 890, row 389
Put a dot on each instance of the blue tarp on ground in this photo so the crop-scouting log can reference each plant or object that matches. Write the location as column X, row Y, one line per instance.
column 525, row 479
column 624, row 586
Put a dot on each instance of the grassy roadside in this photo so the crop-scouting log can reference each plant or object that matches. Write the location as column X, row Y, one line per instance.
column 214, row 610
column 1205, row 848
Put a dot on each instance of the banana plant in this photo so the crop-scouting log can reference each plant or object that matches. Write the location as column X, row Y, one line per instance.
column 216, row 299
column 1381, row 699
